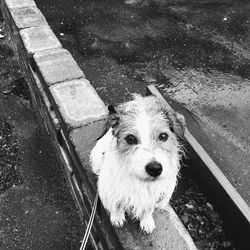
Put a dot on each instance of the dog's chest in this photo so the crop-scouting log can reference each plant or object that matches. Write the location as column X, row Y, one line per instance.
column 135, row 196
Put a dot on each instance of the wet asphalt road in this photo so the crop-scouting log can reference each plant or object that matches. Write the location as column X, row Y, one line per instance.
column 196, row 52
column 36, row 207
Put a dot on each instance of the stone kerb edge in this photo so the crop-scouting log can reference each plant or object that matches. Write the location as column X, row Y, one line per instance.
column 31, row 30
column 14, row 4
column 83, row 119
column 78, row 102
column 39, row 38
column 56, row 65
column 28, row 17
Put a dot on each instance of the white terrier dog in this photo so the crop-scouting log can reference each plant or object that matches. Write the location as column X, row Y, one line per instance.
column 137, row 160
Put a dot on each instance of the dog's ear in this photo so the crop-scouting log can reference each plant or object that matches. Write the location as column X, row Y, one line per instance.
column 111, row 109
column 113, row 117
column 177, row 123
column 112, row 121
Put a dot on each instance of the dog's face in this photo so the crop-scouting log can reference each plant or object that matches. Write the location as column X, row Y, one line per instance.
column 147, row 144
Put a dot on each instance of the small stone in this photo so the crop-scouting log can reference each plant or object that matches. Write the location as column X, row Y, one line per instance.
column 149, row 79
column 190, row 206
column 7, row 92
column 184, row 218
column 209, row 206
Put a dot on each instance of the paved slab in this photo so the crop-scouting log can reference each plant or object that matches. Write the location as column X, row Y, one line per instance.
column 28, row 17
column 39, row 38
column 69, row 98
column 56, row 66
column 13, row 4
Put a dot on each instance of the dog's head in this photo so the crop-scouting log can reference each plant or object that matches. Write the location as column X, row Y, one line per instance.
column 147, row 137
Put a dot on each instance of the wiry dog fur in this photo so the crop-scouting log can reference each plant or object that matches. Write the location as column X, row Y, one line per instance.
column 141, row 138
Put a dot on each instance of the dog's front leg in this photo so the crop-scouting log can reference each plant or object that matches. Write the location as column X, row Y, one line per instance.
column 147, row 223
column 163, row 204
column 117, row 217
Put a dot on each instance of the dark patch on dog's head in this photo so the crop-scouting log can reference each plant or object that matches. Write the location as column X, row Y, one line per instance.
column 112, row 121
column 111, row 109
column 175, row 120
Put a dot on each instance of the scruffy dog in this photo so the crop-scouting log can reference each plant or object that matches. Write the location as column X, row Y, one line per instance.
column 137, row 160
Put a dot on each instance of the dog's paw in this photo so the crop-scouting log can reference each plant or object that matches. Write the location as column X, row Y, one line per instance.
column 147, row 225
column 117, row 220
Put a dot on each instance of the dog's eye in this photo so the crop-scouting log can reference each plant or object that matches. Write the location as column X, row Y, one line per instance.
column 163, row 137
column 130, row 139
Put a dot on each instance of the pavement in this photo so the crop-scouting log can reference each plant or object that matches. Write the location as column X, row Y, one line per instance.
column 37, row 210
column 195, row 52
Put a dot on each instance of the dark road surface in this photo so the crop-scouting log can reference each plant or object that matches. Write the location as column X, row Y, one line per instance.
column 197, row 52
column 36, row 207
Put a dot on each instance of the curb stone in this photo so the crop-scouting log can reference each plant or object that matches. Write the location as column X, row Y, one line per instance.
column 57, row 65
column 28, row 17
column 74, row 115
column 12, row 4
column 38, row 39
column 78, row 102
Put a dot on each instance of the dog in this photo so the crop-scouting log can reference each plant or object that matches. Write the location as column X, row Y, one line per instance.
column 137, row 160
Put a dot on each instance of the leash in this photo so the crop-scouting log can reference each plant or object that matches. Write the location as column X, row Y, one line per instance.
column 90, row 223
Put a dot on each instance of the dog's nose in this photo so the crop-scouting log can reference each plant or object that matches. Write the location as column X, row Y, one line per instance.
column 154, row 168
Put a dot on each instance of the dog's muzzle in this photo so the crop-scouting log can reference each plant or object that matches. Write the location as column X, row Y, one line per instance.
column 154, row 168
